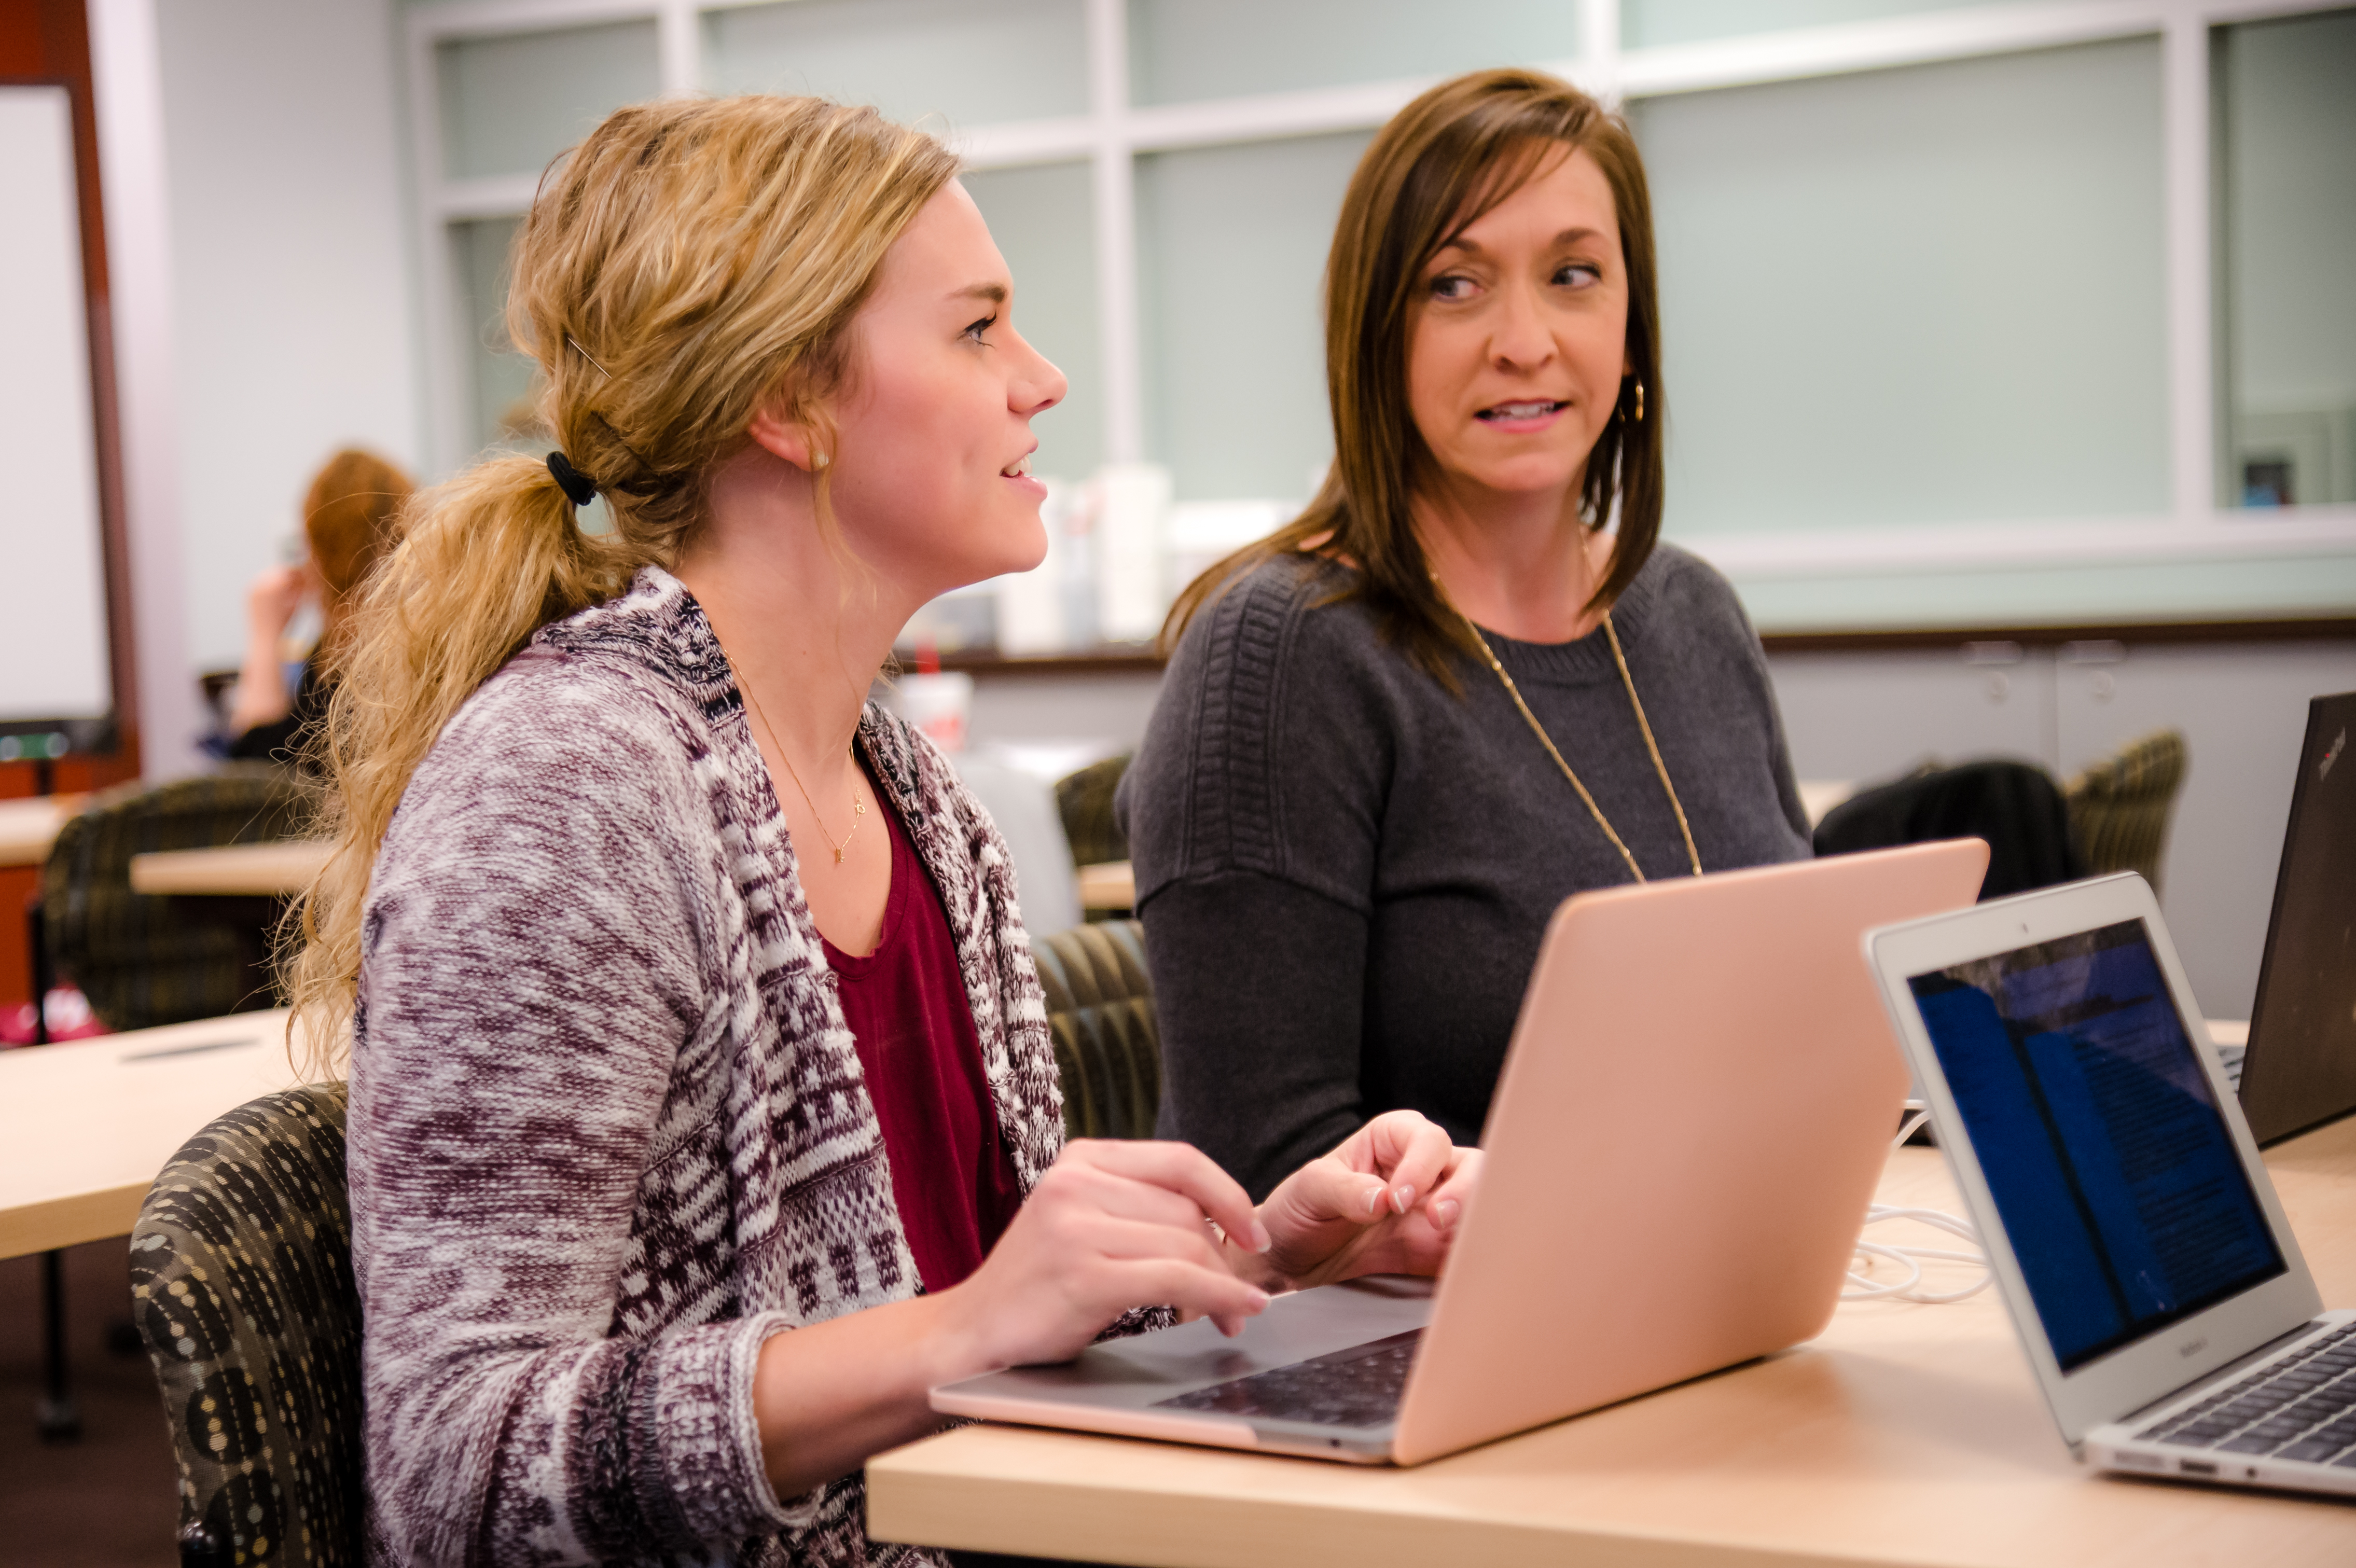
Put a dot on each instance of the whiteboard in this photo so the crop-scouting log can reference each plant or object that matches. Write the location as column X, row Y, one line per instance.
column 53, row 644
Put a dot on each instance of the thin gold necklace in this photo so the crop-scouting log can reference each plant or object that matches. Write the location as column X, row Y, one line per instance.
column 1693, row 855
column 858, row 806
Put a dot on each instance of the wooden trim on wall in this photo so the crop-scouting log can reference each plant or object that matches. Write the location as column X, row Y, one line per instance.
column 1142, row 660
column 47, row 41
column 2314, row 628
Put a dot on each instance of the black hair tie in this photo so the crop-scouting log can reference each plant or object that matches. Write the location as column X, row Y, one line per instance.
column 578, row 488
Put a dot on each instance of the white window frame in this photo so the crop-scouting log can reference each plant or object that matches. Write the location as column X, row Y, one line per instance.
column 1113, row 134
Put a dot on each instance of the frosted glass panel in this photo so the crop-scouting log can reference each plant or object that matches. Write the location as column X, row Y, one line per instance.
column 1914, row 296
column 1231, row 244
column 1184, row 49
column 2113, row 592
column 975, row 61
column 1644, row 23
column 1042, row 218
column 2288, row 132
column 498, row 377
column 510, row 104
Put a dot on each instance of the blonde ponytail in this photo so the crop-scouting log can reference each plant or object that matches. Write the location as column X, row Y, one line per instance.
column 689, row 264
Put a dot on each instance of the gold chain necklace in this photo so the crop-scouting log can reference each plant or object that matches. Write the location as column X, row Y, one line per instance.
column 858, row 806
column 1693, row 855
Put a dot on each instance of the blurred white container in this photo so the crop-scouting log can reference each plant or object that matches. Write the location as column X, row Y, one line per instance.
column 1133, row 511
column 1030, row 618
column 939, row 704
column 1202, row 533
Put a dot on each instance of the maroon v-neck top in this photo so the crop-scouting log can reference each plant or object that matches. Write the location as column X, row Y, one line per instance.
column 952, row 1179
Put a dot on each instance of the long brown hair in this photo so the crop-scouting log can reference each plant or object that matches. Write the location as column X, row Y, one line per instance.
column 1442, row 161
column 688, row 265
column 349, row 519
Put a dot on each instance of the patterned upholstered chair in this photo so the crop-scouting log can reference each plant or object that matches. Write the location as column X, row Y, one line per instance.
column 1084, row 800
column 2119, row 806
column 1100, row 1011
column 145, row 960
column 241, row 1284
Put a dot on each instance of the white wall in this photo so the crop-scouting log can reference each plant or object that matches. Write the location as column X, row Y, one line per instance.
column 293, row 304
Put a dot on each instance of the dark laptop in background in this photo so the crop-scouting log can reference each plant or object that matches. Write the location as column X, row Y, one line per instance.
column 2300, row 1067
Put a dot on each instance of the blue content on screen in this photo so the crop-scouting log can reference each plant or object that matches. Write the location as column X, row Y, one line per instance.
column 2117, row 1182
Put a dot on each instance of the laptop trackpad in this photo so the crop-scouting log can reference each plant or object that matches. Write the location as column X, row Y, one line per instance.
column 1148, row 1368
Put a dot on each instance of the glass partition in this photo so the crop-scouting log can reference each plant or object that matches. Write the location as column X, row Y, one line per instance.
column 1644, row 24
column 511, row 104
column 2287, row 135
column 1043, row 220
column 499, row 376
column 1231, row 244
column 1914, row 296
column 972, row 61
column 1185, row 49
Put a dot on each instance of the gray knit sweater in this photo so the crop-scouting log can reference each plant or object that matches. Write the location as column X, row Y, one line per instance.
column 1345, row 870
column 608, row 1132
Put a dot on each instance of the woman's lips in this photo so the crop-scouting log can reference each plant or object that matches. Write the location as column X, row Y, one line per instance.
column 1529, row 414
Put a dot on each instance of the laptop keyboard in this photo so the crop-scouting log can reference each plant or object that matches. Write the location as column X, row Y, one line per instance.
column 2231, row 1057
column 2302, row 1407
column 1357, row 1387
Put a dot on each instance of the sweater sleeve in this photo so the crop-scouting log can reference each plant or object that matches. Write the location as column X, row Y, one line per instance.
column 1260, row 985
column 1253, row 811
column 530, row 984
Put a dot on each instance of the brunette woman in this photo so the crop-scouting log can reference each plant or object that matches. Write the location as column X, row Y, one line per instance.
column 1468, row 680
column 703, row 1114
column 347, row 523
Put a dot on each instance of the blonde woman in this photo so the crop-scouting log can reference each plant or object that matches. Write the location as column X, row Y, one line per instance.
column 702, row 1108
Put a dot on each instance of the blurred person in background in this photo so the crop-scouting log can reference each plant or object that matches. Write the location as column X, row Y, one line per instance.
column 347, row 521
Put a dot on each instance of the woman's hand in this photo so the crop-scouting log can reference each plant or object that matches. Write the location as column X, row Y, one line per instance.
column 1112, row 1225
column 1386, row 1202
column 272, row 599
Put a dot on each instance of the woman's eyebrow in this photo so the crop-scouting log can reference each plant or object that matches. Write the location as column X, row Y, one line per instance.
column 995, row 293
column 1471, row 247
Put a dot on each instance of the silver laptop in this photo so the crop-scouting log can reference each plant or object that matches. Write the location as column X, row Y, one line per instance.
column 1694, row 1112
column 2158, row 1289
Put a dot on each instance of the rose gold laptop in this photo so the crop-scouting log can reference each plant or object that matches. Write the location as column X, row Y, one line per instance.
column 1694, row 1112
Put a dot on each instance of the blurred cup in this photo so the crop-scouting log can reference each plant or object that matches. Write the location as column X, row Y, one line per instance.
column 938, row 703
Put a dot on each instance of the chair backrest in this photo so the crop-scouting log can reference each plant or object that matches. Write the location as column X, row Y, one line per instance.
column 1085, row 799
column 2015, row 806
column 2119, row 806
column 242, row 1285
column 143, row 960
column 1101, row 1011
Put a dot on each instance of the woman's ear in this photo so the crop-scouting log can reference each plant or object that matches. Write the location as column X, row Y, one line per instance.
column 782, row 434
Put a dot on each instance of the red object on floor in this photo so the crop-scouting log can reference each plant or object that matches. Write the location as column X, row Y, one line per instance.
column 69, row 1019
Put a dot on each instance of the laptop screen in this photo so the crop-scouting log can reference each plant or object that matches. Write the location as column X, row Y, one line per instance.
column 2111, row 1167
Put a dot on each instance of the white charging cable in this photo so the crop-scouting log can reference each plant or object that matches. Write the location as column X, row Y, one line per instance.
column 1911, row 1259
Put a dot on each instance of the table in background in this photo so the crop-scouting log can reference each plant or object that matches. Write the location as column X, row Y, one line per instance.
column 284, row 868
column 86, row 1125
column 29, row 826
column 1905, row 1434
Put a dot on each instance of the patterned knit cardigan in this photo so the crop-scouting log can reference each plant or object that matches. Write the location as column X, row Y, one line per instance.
column 608, row 1130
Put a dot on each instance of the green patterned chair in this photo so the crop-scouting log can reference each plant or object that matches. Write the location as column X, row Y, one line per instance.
column 1084, row 800
column 242, row 1285
column 2119, row 806
column 145, row 960
column 1101, row 1011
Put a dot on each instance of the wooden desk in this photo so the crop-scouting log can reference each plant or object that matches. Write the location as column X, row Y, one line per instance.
column 85, row 1126
column 1906, row 1435
column 1111, row 886
column 283, row 868
column 29, row 826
